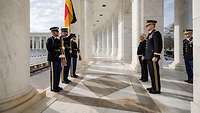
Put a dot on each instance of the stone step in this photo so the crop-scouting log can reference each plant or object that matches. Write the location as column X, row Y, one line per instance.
column 24, row 102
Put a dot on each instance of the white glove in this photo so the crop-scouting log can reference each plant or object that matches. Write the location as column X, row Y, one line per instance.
column 154, row 59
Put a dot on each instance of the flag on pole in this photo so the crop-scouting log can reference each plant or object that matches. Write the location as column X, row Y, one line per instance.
column 70, row 16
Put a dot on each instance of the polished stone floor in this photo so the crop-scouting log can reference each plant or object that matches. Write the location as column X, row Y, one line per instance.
column 112, row 87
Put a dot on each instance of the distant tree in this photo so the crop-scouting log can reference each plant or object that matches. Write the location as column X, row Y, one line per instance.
column 169, row 37
column 169, row 40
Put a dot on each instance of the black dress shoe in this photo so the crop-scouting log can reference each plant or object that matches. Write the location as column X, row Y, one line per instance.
column 59, row 88
column 190, row 81
column 55, row 90
column 154, row 92
column 186, row 80
column 149, row 88
column 144, row 80
column 66, row 81
column 74, row 76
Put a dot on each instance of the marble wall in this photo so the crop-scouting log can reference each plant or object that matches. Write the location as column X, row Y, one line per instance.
column 15, row 48
column 196, row 47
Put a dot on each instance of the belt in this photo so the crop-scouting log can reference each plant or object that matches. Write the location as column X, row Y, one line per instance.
column 57, row 50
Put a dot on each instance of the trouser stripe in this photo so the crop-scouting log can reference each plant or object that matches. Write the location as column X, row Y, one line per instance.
column 155, row 75
column 52, row 75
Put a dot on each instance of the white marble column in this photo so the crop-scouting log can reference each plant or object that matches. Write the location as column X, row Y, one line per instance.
column 116, row 36
column 136, row 32
column 33, row 43
column 128, row 33
column 109, row 40
column 95, row 45
column 14, row 57
column 99, row 43
column 37, row 42
column 102, row 44
column 195, row 106
column 105, row 42
column 113, row 37
column 40, row 43
column 120, row 55
column 183, row 20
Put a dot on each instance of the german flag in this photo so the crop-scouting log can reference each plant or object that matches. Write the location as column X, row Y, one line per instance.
column 70, row 16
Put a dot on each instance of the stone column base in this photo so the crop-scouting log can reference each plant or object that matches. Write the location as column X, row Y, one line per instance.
column 177, row 66
column 19, row 104
column 136, row 67
column 195, row 107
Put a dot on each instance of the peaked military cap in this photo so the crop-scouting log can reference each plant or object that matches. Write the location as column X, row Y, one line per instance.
column 64, row 29
column 188, row 31
column 72, row 35
column 148, row 22
column 54, row 28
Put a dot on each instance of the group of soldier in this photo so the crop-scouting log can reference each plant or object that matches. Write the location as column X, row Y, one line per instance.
column 63, row 51
column 149, row 54
column 64, row 47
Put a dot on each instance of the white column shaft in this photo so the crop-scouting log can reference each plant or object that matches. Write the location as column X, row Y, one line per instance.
column 121, row 32
column 196, row 61
column 182, row 21
column 136, row 31
column 14, row 57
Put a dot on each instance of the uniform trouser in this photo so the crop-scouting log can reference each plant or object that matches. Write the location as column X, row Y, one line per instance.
column 66, row 69
column 153, row 68
column 144, row 71
column 55, row 69
column 189, row 66
column 73, row 65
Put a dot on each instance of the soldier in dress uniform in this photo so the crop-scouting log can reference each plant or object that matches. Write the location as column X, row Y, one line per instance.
column 74, row 56
column 143, row 62
column 152, row 55
column 54, row 51
column 67, row 46
column 188, row 54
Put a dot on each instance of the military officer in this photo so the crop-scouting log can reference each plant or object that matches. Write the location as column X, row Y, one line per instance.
column 143, row 62
column 67, row 46
column 74, row 56
column 53, row 47
column 188, row 54
column 152, row 55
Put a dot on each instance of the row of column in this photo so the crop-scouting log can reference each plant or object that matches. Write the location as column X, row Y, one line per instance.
column 109, row 38
column 38, row 43
column 106, row 40
column 119, row 39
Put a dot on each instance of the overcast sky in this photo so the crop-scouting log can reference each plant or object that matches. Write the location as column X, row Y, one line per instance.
column 168, row 12
column 47, row 13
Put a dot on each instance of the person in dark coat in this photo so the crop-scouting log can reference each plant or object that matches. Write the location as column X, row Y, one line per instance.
column 143, row 62
column 54, row 51
column 188, row 54
column 153, row 49
column 67, row 49
column 74, row 56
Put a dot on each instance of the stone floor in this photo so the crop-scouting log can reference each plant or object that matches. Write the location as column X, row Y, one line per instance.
column 112, row 87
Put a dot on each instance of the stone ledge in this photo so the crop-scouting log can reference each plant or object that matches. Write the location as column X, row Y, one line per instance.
column 21, row 103
column 177, row 66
